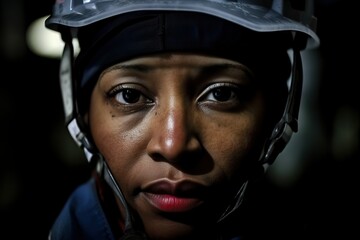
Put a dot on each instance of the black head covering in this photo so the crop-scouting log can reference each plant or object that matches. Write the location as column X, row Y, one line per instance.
column 131, row 35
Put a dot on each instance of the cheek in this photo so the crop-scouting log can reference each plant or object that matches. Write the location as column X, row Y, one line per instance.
column 233, row 150
column 119, row 147
column 114, row 138
column 235, row 143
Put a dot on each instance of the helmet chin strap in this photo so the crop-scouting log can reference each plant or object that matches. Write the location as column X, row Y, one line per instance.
column 130, row 231
column 288, row 123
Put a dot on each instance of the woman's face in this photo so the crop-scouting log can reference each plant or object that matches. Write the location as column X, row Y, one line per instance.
column 178, row 132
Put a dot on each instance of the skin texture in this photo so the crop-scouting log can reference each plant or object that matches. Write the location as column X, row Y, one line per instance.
column 179, row 133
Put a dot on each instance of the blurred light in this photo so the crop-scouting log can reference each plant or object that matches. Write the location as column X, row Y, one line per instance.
column 45, row 42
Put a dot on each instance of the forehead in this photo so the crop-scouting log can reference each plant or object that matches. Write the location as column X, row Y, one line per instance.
column 186, row 59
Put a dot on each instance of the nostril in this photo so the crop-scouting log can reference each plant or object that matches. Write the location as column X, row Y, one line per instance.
column 157, row 157
column 190, row 162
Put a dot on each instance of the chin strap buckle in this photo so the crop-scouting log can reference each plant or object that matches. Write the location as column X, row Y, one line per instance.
column 79, row 137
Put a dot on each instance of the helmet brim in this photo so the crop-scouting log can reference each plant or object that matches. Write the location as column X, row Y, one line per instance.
column 253, row 16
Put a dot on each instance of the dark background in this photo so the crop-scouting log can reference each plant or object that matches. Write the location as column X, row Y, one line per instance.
column 316, row 189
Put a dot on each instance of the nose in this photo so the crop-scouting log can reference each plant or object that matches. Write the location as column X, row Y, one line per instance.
column 174, row 137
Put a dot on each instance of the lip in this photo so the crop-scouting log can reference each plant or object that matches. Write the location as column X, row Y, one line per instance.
column 171, row 196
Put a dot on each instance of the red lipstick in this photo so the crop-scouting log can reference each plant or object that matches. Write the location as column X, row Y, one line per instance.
column 169, row 196
column 172, row 203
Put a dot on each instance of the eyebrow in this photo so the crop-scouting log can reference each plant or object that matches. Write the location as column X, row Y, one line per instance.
column 219, row 68
column 133, row 67
column 204, row 70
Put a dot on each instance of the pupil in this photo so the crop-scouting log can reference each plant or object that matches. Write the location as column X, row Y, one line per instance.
column 222, row 94
column 131, row 96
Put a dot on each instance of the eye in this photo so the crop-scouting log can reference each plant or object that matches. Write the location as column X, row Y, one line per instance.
column 126, row 95
column 226, row 96
column 220, row 92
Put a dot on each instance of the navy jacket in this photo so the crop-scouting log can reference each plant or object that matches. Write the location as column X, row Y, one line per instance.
column 82, row 217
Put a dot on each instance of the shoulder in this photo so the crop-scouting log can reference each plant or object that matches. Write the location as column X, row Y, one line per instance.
column 82, row 216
